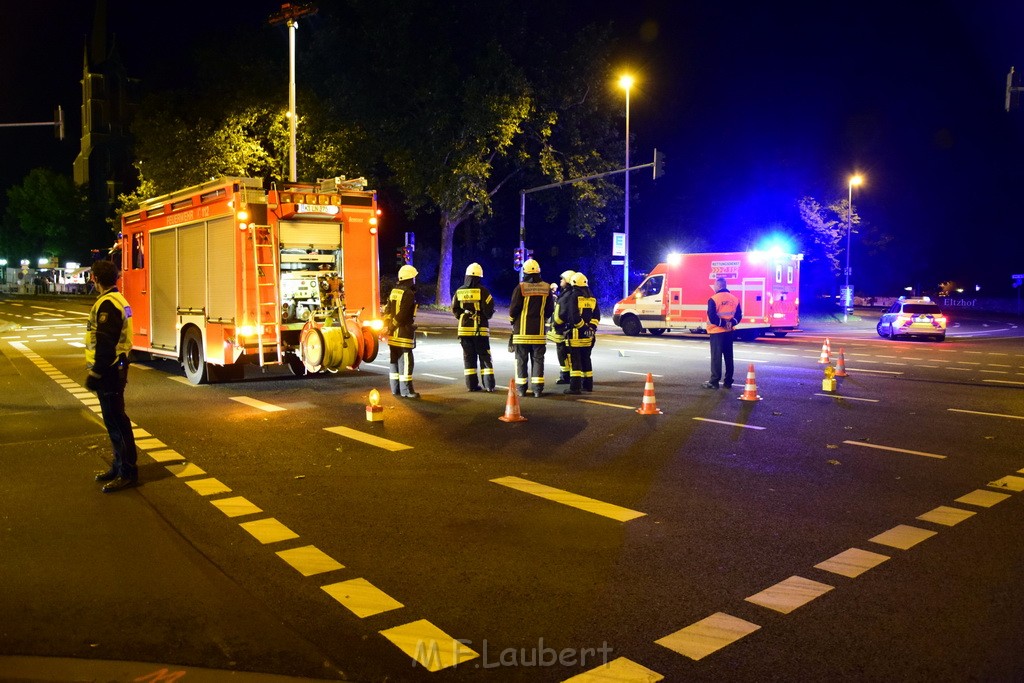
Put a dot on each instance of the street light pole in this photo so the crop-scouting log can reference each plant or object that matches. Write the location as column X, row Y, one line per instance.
column 626, row 82
column 289, row 15
column 856, row 179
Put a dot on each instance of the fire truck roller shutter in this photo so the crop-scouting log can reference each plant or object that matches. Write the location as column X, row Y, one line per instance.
column 310, row 234
column 163, row 274
column 222, row 268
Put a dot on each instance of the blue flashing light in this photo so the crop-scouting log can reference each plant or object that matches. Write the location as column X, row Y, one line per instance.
column 674, row 258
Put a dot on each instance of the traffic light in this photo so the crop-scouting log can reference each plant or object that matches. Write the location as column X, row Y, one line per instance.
column 517, row 259
column 529, row 255
column 400, row 257
column 659, row 164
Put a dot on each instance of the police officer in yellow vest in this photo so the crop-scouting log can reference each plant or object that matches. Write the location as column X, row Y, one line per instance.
column 401, row 311
column 580, row 316
column 108, row 340
column 531, row 305
column 556, row 331
column 473, row 305
column 724, row 313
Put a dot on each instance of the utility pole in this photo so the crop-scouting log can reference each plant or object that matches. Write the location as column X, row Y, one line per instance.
column 289, row 15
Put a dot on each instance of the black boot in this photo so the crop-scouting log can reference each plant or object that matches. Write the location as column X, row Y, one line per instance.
column 408, row 391
column 588, row 384
column 574, row 386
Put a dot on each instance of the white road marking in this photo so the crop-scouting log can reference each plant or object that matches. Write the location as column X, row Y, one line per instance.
column 730, row 424
column 427, row 374
column 978, row 412
column 584, row 503
column 368, row 438
column 602, row 403
column 850, row 398
column 642, row 374
column 268, row 407
column 895, row 450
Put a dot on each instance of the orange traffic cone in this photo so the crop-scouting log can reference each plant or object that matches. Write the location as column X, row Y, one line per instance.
column 512, row 413
column 750, row 390
column 649, row 406
column 825, row 350
column 841, row 364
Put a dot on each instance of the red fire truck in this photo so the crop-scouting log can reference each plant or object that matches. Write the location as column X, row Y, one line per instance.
column 674, row 296
column 227, row 274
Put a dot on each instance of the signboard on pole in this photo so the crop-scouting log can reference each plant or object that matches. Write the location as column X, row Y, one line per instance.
column 618, row 244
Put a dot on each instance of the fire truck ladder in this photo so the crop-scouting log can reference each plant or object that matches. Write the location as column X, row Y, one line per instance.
column 268, row 287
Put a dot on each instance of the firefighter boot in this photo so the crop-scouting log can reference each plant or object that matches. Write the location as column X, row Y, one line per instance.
column 408, row 391
column 575, row 385
column 488, row 379
column 393, row 377
column 472, row 380
column 563, row 377
column 588, row 384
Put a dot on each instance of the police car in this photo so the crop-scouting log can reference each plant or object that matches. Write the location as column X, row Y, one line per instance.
column 913, row 317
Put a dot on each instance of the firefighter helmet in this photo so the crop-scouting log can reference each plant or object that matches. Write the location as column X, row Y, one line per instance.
column 579, row 280
column 531, row 267
column 407, row 273
column 567, row 276
column 475, row 270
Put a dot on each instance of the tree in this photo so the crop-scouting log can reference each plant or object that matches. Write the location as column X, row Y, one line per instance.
column 47, row 216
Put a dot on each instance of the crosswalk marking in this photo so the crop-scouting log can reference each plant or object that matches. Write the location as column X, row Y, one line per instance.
column 903, row 536
column 361, row 597
column 619, row 670
column 268, row 530
column 428, row 645
column 309, row 560
column 571, row 499
column 709, row 635
column 208, row 487
column 852, row 563
column 946, row 515
column 1008, row 483
column 236, row 506
column 786, row 596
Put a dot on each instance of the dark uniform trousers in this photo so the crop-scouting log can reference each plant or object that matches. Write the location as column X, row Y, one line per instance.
column 119, row 427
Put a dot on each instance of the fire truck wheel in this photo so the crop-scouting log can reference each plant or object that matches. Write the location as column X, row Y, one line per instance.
column 657, row 331
column 295, row 364
column 193, row 357
column 631, row 325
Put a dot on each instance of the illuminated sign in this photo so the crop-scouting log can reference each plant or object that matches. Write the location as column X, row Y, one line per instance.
column 327, row 209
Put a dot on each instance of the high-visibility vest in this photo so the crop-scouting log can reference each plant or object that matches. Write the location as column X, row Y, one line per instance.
column 124, row 342
column 725, row 306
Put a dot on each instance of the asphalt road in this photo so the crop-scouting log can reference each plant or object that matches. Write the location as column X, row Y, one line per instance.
column 870, row 534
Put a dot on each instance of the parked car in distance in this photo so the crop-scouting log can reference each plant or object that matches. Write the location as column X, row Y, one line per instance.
column 918, row 317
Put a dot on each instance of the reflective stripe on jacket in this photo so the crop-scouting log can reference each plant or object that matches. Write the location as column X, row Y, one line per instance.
column 97, row 320
column 402, row 308
column 473, row 306
column 723, row 306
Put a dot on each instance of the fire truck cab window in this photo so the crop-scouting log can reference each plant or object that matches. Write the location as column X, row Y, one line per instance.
column 138, row 251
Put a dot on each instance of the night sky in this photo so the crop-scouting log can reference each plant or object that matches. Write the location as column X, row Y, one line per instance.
column 754, row 104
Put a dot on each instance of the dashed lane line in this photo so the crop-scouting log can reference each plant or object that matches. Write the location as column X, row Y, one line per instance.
column 370, row 439
column 255, row 403
column 619, row 670
column 849, row 398
column 1004, row 381
column 577, row 501
column 602, row 403
column 788, row 595
column 730, row 424
column 632, row 372
column 877, row 372
column 895, row 450
column 978, row 412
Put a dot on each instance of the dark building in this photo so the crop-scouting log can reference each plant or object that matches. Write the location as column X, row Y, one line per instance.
column 109, row 99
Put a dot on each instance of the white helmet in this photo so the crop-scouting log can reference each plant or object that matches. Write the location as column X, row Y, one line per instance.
column 567, row 276
column 579, row 280
column 475, row 270
column 531, row 267
column 407, row 273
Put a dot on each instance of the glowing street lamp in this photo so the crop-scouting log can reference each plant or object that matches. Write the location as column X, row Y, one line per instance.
column 626, row 82
column 856, row 179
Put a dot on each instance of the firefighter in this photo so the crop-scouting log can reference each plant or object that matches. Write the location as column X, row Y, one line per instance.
column 580, row 316
column 401, row 312
column 108, row 341
column 723, row 314
column 473, row 305
column 556, row 331
column 531, row 306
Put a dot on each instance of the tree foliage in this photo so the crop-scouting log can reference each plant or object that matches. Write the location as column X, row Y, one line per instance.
column 828, row 228
column 46, row 216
